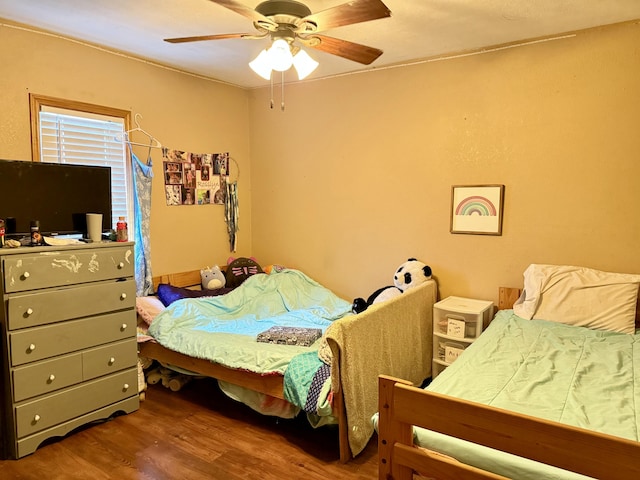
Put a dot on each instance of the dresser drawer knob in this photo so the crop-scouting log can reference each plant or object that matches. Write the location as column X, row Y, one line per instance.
column 123, row 327
column 31, row 347
column 121, row 265
column 26, row 275
column 112, row 361
column 52, row 377
column 123, row 296
column 36, row 418
column 29, row 311
column 125, row 387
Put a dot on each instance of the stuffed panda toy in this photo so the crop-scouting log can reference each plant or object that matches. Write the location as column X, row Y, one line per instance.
column 408, row 275
column 411, row 274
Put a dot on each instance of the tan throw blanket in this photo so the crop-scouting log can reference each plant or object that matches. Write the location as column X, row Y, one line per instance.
column 391, row 338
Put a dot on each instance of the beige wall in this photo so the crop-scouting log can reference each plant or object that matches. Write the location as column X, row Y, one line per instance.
column 355, row 176
column 184, row 112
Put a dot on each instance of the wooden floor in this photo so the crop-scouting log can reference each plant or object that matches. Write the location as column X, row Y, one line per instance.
column 196, row 433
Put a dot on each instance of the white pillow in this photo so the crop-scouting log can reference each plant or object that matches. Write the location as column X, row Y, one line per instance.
column 148, row 308
column 579, row 296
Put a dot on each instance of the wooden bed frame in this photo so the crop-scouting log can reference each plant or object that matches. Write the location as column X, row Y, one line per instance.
column 267, row 384
column 272, row 385
column 402, row 406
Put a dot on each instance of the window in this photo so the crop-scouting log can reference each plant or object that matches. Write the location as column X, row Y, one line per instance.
column 64, row 131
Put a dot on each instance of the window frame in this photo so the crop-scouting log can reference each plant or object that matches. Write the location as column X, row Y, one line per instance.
column 36, row 102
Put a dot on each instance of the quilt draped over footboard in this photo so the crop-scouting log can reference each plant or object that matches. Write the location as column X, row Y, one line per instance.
column 392, row 338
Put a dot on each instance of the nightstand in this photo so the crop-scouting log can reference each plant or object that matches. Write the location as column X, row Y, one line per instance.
column 457, row 322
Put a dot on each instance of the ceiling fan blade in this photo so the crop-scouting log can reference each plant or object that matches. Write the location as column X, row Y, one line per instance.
column 349, row 13
column 343, row 48
column 222, row 36
column 245, row 11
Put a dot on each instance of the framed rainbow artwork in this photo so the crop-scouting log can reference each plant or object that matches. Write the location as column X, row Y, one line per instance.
column 477, row 209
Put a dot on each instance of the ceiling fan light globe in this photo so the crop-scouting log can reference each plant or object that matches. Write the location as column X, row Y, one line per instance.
column 262, row 65
column 280, row 55
column 304, row 64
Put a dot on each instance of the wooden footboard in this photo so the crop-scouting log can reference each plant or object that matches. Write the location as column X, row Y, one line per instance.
column 401, row 406
column 390, row 338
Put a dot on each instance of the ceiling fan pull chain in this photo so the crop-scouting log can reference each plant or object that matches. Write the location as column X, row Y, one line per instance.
column 282, row 94
column 271, row 100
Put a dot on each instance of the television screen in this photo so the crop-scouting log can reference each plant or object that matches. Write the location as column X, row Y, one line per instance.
column 57, row 195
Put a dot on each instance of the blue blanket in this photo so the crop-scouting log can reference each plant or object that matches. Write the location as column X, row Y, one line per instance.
column 224, row 329
column 304, row 380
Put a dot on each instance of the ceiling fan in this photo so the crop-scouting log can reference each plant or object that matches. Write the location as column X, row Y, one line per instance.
column 288, row 21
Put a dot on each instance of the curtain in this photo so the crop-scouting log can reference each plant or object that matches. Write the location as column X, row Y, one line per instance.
column 142, row 177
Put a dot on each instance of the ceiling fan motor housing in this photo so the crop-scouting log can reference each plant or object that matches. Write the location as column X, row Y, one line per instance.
column 271, row 8
column 286, row 14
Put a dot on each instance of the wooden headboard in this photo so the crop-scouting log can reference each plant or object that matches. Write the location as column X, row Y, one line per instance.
column 180, row 279
column 507, row 296
column 188, row 279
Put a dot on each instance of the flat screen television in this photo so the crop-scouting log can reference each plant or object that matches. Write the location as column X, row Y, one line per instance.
column 57, row 195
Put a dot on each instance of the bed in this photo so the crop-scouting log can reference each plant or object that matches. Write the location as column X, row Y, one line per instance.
column 400, row 328
column 550, row 390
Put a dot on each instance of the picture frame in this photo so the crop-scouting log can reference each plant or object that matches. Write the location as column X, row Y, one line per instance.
column 477, row 209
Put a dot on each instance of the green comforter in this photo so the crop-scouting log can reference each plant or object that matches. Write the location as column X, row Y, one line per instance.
column 573, row 375
column 223, row 329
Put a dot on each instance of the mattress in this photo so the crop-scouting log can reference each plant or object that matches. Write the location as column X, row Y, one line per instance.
column 573, row 375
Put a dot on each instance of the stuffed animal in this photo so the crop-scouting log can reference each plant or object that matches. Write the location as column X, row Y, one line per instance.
column 239, row 269
column 409, row 275
column 174, row 381
column 212, row 278
column 269, row 269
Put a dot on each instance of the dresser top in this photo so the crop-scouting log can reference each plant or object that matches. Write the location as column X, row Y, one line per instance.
column 61, row 248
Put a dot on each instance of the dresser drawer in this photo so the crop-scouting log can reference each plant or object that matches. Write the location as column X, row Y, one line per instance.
column 46, row 412
column 109, row 358
column 54, row 268
column 49, row 306
column 44, row 377
column 38, row 343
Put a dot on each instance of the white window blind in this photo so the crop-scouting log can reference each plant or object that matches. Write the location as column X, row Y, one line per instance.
column 82, row 138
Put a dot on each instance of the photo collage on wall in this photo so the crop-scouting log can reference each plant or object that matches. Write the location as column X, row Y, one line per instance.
column 195, row 178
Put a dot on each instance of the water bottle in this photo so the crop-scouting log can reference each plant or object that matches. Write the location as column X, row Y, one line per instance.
column 122, row 234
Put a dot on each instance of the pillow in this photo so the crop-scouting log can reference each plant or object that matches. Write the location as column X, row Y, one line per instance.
column 148, row 308
column 239, row 269
column 579, row 296
column 169, row 293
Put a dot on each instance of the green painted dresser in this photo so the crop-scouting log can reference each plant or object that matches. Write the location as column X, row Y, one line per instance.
column 69, row 353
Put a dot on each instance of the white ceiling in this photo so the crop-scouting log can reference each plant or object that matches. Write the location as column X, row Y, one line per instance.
column 417, row 29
